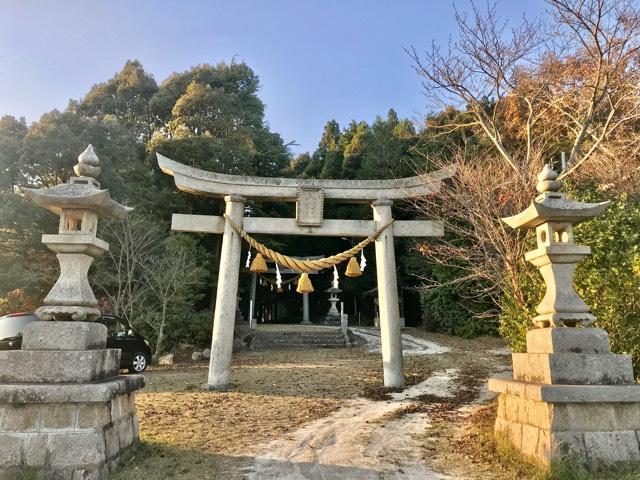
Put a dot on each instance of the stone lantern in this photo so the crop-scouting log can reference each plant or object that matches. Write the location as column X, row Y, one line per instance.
column 79, row 204
column 64, row 409
column 333, row 315
column 553, row 216
column 569, row 396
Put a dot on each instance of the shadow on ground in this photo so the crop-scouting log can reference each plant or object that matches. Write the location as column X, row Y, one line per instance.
column 155, row 462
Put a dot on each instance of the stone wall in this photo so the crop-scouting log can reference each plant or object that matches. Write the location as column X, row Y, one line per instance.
column 64, row 411
column 76, row 440
column 594, row 432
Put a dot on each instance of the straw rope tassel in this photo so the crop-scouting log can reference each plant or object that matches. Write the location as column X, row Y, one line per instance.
column 304, row 284
column 353, row 269
column 259, row 265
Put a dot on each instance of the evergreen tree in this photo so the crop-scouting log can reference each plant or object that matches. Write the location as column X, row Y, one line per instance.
column 12, row 133
column 126, row 97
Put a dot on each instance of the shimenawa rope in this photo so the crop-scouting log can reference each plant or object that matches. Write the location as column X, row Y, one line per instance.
column 305, row 265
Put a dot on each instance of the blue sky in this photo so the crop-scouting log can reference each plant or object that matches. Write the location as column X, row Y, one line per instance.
column 317, row 60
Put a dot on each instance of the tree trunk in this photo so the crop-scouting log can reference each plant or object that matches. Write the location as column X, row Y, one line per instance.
column 161, row 330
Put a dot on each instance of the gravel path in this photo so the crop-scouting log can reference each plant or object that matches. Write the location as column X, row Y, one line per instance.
column 363, row 440
column 410, row 345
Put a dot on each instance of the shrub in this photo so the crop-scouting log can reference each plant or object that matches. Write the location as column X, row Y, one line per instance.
column 515, row 320
column 452, row 308
column 609, row 280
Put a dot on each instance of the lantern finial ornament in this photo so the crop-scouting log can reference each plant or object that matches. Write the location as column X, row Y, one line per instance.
column 553, row 216
column 547, row 180
column 88, row 163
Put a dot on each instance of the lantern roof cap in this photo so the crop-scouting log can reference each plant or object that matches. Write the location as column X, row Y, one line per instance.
column 552, row 205
column 80, row 193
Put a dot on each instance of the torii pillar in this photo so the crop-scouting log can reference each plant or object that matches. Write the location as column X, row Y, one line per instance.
column 224, row 317
column 390, row 335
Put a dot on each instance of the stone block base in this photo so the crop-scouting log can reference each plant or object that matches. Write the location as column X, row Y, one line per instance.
column 58, row 366
column 64, row 336
column 573, row 368
column 546, row 422
column 68, row 432
column 568, row 340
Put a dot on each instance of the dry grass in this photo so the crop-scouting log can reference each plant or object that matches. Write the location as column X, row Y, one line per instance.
column 274, row 392
column 190, row 433
column 223, row 423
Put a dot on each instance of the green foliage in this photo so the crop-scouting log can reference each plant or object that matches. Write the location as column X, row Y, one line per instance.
column 175, row 279
column 445, row 311
column 449, row 309
column 390, row 152
column 386, row 149
column 514, row 320
column 609, row 280
column 28, row 269
column 188, row 326
column 126, row 97
column 12, row 133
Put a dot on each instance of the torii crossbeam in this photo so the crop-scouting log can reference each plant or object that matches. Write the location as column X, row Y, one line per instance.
column 309, row 195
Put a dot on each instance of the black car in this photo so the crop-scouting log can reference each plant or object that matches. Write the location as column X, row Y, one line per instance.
column 136, row 353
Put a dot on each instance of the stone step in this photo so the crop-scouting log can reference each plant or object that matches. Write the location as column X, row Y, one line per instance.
column 290, row 338
column 300, row 334
column 303, row 339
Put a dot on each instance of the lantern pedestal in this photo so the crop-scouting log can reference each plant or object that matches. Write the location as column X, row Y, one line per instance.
column 63, row 407
column 71, row 297
column 570, row 397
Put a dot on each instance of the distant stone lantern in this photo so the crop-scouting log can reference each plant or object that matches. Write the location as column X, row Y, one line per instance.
column 553, row 216
column 570, row 397
column 79, row 204
column 333, row 315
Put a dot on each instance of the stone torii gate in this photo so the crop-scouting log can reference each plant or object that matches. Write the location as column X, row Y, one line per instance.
column 309, row 196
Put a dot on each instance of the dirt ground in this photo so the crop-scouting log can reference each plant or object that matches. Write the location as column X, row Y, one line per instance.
column 189, row 433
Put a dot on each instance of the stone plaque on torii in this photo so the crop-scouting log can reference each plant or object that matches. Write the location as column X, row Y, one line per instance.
column 309, row 196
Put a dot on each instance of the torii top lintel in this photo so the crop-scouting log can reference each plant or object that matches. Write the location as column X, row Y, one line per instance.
column 201, row 182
